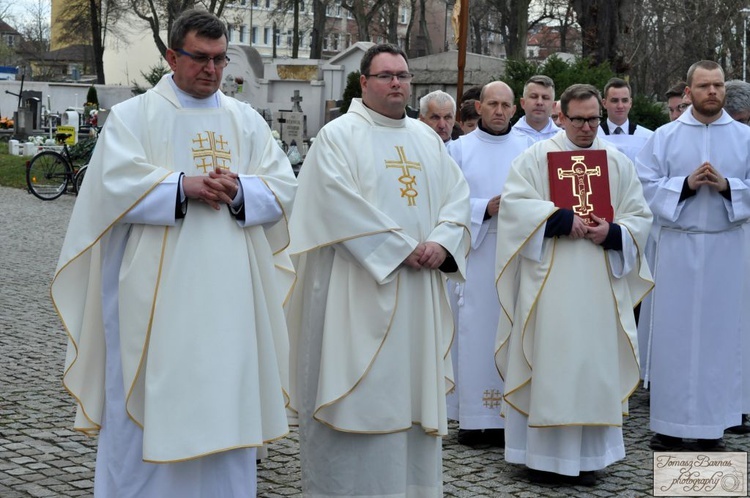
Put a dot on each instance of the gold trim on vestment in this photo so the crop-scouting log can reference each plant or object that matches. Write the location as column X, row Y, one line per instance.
column 372, row 361
column 144, row 349
column 283, row 215
column 214, row 452
column 97, row 426
column 338, row 241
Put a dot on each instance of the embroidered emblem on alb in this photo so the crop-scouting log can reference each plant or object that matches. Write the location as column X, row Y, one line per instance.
column 492, row 398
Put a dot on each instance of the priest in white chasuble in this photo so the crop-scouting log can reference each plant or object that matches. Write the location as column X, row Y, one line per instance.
column 380, row 219
column 566, row 344
column 696, row 177
column 172, row 280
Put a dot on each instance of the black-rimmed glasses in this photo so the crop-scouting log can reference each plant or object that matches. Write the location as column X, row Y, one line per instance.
column 578, row 122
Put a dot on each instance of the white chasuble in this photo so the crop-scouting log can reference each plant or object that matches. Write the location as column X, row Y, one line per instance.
column 396, row 190
column 567, row 340
column 201, row 326
column 369, row 336
column 566, row 343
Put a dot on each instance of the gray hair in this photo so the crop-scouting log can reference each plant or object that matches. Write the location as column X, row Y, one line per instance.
column 737, row 97
column 437, row 97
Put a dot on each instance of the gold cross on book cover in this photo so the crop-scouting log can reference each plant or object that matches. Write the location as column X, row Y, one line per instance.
column 579, row 180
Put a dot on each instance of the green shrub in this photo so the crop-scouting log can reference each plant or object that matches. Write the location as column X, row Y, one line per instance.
column 352, row 90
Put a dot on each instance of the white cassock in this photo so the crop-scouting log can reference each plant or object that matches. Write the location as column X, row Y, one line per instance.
column 698, row 360
column 566, row 344
column 485, row 161
column 631, row 145
column 370, row 337
column 523, row 128
column 178, row 348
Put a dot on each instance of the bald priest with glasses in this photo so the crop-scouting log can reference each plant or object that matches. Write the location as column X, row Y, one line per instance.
column 572, row 226
column 171, row 283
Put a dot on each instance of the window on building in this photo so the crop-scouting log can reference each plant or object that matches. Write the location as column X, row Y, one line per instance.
column 278, row 37
column 269, row 4
column 289, row 38
column 254, row 35
column 243, row 33
column 267, row 36
column 404, row 17
column 230, row 32
column 335, row 42
column 10, row 40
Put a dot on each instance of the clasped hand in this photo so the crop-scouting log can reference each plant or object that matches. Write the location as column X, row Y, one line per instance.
column 427, row 255
column 595, row 234
column 706, row 174
column 219, row 187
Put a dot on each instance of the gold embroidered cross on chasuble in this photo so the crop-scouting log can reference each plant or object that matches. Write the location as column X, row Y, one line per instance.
column 407, row 179
column 211, row 151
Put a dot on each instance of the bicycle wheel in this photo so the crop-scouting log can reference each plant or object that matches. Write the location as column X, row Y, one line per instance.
column 47, row 175
column 79, row 178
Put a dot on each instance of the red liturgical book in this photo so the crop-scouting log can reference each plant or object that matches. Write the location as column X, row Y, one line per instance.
column 579, row 180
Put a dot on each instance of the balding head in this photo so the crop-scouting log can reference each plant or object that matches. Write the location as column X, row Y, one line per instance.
column 496, row 107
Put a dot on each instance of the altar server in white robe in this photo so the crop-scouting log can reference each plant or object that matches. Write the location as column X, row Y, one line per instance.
column 696, row 177
column 381, row 217
column 484, row 157
column 567, row 345
column 537, row 103
column 171, row 284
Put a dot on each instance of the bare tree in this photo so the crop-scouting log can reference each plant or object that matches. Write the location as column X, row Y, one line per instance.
column 363, row 11
column 90, row 21
column 35, row 28
column 603, row 24
column 669, row 35
column 159, row 15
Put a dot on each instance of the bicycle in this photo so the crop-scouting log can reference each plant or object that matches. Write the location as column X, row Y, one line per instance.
column 49, row 172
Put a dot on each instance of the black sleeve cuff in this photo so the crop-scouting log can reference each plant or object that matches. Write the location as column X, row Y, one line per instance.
column 686, row 190
column 727, row 194
column 180, row 208
column 613, row 241
column 486, row 215
column 559, row 224
column 449, row 265
column 239, row 214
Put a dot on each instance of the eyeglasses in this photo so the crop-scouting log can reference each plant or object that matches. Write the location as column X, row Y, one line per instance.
column 219, row 60
column 679, row 108
column 578, row 122
column 387, row 77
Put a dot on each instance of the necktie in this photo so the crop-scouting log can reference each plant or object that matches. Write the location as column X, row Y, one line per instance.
column 618, row 131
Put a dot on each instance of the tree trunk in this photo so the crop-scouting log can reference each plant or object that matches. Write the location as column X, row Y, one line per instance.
column 318, row 29
column 601, row 29
column 96, row 40
column 295, row 31
column 393, row 24
column 424, row 32
column 516, row 19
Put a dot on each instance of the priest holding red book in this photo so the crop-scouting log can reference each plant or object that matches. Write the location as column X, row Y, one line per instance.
column 570, row 269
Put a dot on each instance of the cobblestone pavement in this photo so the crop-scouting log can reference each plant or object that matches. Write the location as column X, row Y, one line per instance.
column 41, row 456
